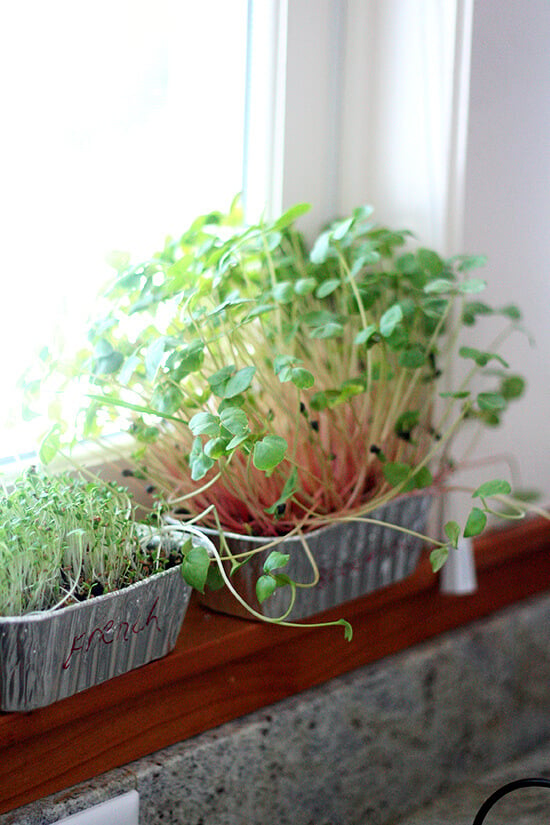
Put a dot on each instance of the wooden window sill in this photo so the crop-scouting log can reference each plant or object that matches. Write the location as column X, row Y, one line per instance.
column 223, row 668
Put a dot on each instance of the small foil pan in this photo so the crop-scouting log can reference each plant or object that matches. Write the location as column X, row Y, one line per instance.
column 49, row 655
column 354, row 558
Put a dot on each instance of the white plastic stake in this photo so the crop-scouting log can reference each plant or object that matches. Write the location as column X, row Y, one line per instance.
column 122, row 810
column 458, row 574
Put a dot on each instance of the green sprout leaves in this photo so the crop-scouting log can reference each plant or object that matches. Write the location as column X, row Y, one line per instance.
column 476, row 523
column 480, row 357
column 288, row 368
column 195, row 566
column 477, row 518
column 271, row 580
column 452, row 530
column 296, row 383
column 229, row 382
column 438, row 557
column 390, row 320
column 106, row 359
column 269, row 452
column 199, row 462
column 498, row 487
column 404, row 476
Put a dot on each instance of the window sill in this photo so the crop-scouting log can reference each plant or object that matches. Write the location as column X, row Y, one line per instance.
column 223, row 668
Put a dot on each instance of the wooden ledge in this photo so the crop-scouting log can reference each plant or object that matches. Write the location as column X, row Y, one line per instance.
column 223, row 668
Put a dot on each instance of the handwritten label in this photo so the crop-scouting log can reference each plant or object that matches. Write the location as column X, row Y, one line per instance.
column 328, row 575
column 109, row 632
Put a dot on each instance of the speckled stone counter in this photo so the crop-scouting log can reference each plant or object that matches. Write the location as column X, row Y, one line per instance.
column 524, row 806
column 363, row 749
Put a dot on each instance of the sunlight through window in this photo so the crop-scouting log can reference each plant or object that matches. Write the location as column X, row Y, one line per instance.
column 122, row 121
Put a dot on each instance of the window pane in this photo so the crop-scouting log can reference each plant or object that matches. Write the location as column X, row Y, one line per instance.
column 122, row 121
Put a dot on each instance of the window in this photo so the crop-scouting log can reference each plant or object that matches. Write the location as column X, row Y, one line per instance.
column 122, row 121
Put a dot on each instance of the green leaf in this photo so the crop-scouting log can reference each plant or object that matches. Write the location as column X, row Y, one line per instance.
column 327, row 287
column 226, row 383
column 215, row 448
column 406, row 422
column 214, row 579
column 440, row 285
column 275, row 561
column 329, row 330
column 265, row 587
column 341, row 229
column 239, row 382
column 491, row 401
column 511, row 311
column 320, row 317
column 476, row 523
column 285, row 368
column 153, row 357
column 128, row 369
column 291, row 215
column 461, row 394
column 348, row 630
column 364, row 335
column 50, row 445
column 493, row 488
column 472, row 286
column 332, row 398
column 269, row 452
column 166, row 399
column 283, row 292
column 302, row 378
column 396, row 473
column 438, row 557
column 205, row 423
column 321, row 249
column 422, row 478
column 234, row 419
column 413, row 357
column 473, row 309
column 512, row 387
column 471, row 262
column 219, row 379
column 407, row 264
column 107, row 360
column 452, row 531
column 194, row 567
column 199, row 462
column 430, row 261
column 236, row 441
column 480, row 357
column 361, row 213
column 390, row 320
column 305, row 286
column 186, row 360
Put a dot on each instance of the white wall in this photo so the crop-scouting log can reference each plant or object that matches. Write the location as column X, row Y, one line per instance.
column 507, row 204
column 376, row 107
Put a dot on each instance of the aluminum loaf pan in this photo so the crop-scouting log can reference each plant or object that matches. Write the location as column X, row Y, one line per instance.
column 49, row 655
column 354, row 558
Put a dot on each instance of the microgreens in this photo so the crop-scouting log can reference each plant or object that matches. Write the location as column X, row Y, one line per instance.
column 271, row 389
column 65, row 539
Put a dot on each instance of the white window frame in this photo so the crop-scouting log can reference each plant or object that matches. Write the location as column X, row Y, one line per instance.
column 313, row 107
column 327, row 84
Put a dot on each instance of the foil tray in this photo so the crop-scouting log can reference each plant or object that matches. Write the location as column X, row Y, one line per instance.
column 49, row 655
column 354, row 558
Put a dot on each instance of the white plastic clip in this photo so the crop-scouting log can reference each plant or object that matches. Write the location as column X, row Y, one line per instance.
column 458, row 574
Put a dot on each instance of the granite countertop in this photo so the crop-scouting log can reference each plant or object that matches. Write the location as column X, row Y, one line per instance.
column 419, row 738
column 526, row 806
